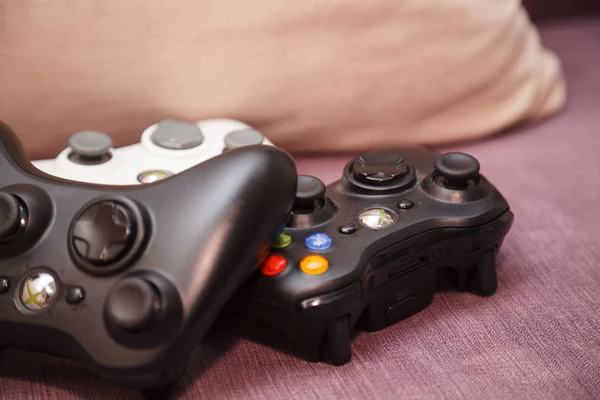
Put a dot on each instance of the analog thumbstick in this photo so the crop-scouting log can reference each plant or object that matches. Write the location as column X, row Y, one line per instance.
column 90, row 148
column 457, row 169
column 133, row 304
column 309, row 190
column 10, row 215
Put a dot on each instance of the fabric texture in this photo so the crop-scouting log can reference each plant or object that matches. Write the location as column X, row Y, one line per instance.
column 538, row 337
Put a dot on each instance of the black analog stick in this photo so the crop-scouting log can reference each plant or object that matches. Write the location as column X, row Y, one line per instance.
column 133, row 304
column 10, row 215
column 308, row 191
column 457, row 168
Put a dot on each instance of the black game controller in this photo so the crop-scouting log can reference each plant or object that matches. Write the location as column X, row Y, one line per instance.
column 370, row 249
column 127, row 279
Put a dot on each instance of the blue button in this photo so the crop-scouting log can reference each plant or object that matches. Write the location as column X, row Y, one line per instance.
column 318, row 241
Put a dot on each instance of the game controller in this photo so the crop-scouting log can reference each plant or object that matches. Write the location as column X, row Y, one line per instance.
column 165, row 149
column 127, row 279
column 373, row 248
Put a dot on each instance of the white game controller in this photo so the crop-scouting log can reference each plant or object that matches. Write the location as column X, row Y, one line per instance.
column 166, row 148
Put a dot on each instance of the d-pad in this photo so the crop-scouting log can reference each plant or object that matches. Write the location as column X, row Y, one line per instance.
column 103, row 233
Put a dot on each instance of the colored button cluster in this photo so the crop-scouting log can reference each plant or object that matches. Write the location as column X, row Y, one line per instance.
column 316, row 264
column 311, row 264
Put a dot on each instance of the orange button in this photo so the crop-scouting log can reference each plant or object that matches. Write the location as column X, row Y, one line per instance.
column 314, row 264
column 273, row 264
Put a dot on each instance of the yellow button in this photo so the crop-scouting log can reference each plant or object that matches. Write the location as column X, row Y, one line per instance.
column 314, row 264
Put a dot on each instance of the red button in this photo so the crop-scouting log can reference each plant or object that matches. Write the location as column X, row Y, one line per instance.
column 273, row 264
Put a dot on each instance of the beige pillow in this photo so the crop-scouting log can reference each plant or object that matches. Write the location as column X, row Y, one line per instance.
column 326, row 75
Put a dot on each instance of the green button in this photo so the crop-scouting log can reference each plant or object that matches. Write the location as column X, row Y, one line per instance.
column 283, row 240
